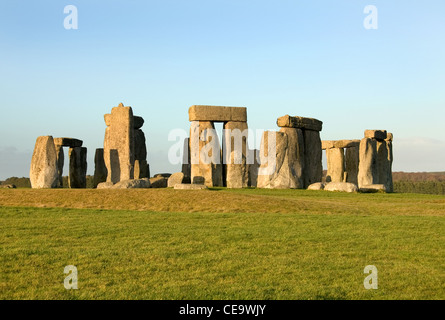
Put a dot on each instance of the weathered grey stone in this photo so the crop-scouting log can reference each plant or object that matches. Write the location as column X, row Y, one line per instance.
column 174, row 179
column 68, row 142
column 43, row 172
column 384, row 165
column 186, row 166
column 198, row 180
column 78, row 167
column 253, row 168
column 336, row 164
column 205, row 153
column 140, row 154
column 60, row 163
column 389, row 180
column 341, row 186
column 316, row 186
column 300, row 122
column 295, row 156
column 274, row 172
column 100, row 170
column 132, row 184
column 119, row 145
column 367, row 173
column 235, row 154
column 105, row 185
column 373, row 188
column 158, row 182
column 376, row 134
column 313, row 167
column 184, row 186
column 217, row 113
column 352, row 157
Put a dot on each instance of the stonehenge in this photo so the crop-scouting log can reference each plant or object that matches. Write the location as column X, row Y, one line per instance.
column 290, row 158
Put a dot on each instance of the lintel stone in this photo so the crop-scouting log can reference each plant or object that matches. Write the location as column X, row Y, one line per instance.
column 217, row 113
column 300, row 122
column 68, row 142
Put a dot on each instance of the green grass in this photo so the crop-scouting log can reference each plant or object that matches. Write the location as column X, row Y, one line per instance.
column 301, row 254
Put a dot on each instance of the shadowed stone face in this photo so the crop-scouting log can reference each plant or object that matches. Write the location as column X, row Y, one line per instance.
column 100, row 170
column 313, row 157
column 78, row 167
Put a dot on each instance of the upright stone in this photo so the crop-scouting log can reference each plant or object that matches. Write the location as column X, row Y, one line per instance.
column 336, row 164
column 140, row 150
column 78, row 167
column 119, row 144
column 312, row 157
column 235, row 154
column 274, row 171
column 253, row 168
column 390, row 186
column 352, row 158
column 186, row 166
column 205, row 153
column 44, row 169
column 100, row 170
column 60, row 163
column 367, row 173
column 295, row 157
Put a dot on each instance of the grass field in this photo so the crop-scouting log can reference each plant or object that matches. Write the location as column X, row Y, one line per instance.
column 220, row 244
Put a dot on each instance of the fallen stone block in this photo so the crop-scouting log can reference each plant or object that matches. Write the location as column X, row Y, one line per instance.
column 132, row 184
column 105, row 185
column 373, row 188
column 317, row 186
column 183, row 186
column 174, row 179
column 158, row 182
column 341, row 186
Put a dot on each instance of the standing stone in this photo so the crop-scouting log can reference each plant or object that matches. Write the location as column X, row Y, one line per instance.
column 295, row 141
column 44, row 168
column 253, row 168
column 313, row 157
column 119, row 146
column 205, row 153
column 352, row 158
column 336, row 164
column 186, row 166
column 367, row 173
column 100, row 170
column 235, row 164
column 78, row 167
column 140, row 150
column 60, row 163
column 274, row 172
column 389, row 186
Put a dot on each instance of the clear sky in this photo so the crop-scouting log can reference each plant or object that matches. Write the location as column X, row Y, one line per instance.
column 306, row 58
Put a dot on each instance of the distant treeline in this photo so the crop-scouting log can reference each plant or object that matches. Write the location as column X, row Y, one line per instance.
column 26, row 183
column 427, row 187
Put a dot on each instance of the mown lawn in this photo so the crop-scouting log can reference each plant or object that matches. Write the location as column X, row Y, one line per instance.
column 314, row 247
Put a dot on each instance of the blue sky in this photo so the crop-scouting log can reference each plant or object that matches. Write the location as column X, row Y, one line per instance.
column 306, row 58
